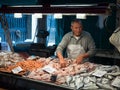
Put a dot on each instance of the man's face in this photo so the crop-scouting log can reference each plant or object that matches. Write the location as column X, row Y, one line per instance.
column 76, row 28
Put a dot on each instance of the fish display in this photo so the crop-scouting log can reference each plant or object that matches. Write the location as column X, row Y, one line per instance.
column 85, row 76
column 9, row 58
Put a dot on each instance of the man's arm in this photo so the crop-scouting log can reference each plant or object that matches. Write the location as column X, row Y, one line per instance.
column 62, row 45
column 61, row 58
column 91, row 50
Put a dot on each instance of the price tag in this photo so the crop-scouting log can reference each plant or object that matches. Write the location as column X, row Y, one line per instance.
column 49, row 69
column 17, row 70
column 116, row 82
column 99, row 73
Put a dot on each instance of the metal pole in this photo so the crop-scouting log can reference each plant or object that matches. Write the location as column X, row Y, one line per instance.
column 6, row 30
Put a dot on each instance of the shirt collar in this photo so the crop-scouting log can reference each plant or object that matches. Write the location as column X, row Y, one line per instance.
column 80, row 35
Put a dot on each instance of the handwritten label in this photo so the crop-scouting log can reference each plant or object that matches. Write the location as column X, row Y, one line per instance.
column 17, row 70
column 49, row 69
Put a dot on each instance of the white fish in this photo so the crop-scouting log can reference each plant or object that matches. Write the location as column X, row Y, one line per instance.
column 84, row 74
column 73, row 79
column 93, row 79
column 108, row 76
column 78, row 83
column 105, row 81
column 68, row 79
column 87, row 79
column 114, row 74
column 109, row 68
column 81, row 78
column 105, row 86
column 99, row 80
column 90, row 86
column 77, row 76
column 83, row 70
column 72, row 84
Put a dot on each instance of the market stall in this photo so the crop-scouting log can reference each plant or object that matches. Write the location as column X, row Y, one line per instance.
column 45, row 73
column 11, row 81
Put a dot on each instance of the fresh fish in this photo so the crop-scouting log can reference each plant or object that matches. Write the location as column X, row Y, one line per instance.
column 105, row 86
column 83, row 70
column 109, row 68
column 78, row 83
column 93, row 79
column 77, row 76
column 81, row 78
column 108, row 76
column 72, row 84
column 90, row 86
column 105, row 81
column 86, row 80
column 68, row 79
column 89, row 79
column 117, row 68
column 114, row 74
column 84, row 74
column 73, row 79
column 99, row 80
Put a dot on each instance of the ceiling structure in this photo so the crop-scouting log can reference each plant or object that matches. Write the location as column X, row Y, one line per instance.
column 54, row 6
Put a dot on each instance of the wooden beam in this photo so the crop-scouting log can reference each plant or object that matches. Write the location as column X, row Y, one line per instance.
column 92, row 9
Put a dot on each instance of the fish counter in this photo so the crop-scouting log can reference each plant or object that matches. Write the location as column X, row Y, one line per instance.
column 16, row 82
column 45, row 73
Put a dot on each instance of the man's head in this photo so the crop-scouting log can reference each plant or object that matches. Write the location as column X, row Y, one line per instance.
column 76, row 26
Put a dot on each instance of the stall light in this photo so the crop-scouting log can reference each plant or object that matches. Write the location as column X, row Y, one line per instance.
column 81, row 16
column 68, row 14
column 17, row 15
column 27, row 6
column 92, row 14
column 58, row 16
column 38, row 15
column 74, row 5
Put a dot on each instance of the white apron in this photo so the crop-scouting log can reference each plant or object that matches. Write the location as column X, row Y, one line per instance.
column 74, row 50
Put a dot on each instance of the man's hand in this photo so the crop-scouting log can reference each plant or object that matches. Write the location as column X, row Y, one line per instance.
column 79, row 59
column 63, row 63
